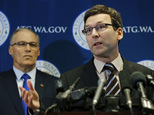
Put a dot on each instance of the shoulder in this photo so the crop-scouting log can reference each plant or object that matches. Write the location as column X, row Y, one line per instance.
column 78, row 71
column 137, row 67
column 45, row 75
column 6, row 73
column 69, row 77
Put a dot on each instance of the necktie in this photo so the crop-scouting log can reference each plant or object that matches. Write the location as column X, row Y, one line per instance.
column 112, row 88
column 25, row 77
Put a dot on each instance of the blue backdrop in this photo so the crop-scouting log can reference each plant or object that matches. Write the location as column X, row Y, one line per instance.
column 59, row 24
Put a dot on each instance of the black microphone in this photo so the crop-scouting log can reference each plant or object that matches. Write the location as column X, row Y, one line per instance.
column 138, row 80
column 126, row 90
column 62, row 97
column 101, row 84
column 82, row 93
column 150, row 80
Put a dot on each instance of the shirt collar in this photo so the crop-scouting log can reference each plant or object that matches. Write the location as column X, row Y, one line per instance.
column 99, row 65
column 19, row 73
column 118, row 63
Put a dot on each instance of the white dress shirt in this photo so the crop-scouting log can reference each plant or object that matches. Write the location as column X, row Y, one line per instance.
column 118, row 63
column 19, row 74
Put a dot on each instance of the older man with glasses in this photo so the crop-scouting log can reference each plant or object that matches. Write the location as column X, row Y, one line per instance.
column 24, row 49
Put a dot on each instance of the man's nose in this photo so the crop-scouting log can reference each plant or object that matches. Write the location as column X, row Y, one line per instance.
column 28, row 47
column 94, row 32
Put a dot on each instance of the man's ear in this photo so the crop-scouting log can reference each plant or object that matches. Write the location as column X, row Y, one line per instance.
column 38, row 54
column 10, row 50
column 119, row 33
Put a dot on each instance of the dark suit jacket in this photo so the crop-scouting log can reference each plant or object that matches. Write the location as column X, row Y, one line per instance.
column 89, row 78
column 10, row 101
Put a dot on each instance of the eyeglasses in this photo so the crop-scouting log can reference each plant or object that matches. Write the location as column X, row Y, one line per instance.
column 23, row 44
column 99, row 28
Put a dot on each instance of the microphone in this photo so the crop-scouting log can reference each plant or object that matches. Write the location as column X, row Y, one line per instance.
column 101, row 84
column 63, row 96
column 150, row 80
column 138, row 80
column 82, row 93
column 127, row 92
column 126, row 88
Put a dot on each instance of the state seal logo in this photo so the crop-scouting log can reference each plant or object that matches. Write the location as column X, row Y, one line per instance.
column 77, row 28
column 4, row 28
column 47, row 67
column 147, row 63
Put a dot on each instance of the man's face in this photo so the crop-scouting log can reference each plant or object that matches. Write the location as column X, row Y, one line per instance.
column 24, row 56
column 103, row 43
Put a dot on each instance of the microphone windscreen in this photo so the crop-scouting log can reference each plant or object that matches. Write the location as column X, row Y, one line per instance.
column 125, row 81
column 137, row 77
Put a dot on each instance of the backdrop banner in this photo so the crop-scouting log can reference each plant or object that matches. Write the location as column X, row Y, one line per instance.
column 59, row 24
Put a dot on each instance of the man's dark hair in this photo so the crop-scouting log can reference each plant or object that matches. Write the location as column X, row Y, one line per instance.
column 98, row 9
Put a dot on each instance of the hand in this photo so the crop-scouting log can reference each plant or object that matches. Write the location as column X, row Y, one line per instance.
column 31, row 97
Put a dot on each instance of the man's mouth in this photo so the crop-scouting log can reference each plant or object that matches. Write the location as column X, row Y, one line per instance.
column 27, row 56
column 97, row 43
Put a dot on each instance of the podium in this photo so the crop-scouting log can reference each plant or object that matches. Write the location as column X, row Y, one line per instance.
column 91, row 113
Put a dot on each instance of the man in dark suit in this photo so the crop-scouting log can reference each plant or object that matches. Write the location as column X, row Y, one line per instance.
column 89, row 78
column 103, row 31
column 24, row 49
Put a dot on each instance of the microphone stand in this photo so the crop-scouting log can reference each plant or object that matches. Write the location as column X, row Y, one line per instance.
column 51, row 108
column 94, row 109
column 62, row 99
column 128, row 98
column 98, row 93
column 147, row 104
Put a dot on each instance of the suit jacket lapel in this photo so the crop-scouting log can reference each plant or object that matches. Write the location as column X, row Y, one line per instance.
column 39, row 84
column 126, row 72
column 12, row 89
column 90, row 76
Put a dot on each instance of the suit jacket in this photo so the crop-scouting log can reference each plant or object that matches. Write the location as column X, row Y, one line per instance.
column 11, row 102
column 89, row 78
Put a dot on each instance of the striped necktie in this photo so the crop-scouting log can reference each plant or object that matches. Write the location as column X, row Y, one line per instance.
column 112, row 88
column 25, row 77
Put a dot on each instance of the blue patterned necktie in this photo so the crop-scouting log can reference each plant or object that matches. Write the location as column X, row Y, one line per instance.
column 25, row 77
column 112, row 88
